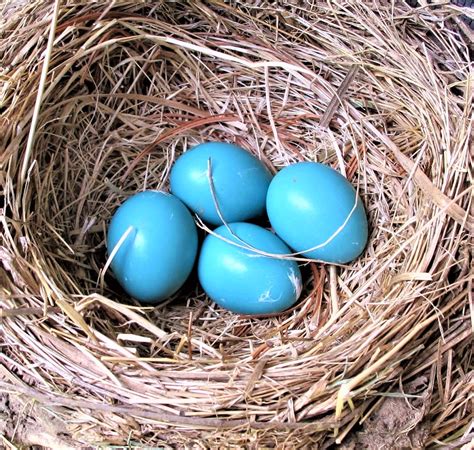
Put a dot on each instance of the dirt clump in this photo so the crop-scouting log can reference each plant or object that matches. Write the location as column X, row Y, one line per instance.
column 399, row 423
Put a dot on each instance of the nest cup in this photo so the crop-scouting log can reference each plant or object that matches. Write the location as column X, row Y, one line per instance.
column 381, row 93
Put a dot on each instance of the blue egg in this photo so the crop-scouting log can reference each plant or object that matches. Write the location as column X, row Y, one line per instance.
column 240, row 181
column 307, row 203
column 243, row 281
column 159, row 251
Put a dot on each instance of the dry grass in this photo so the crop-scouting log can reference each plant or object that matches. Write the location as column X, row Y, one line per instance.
column 127, row 88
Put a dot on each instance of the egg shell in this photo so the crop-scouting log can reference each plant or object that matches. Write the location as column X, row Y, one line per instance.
column 158, row 254
column 243, row 281
column 240, row 181
column 308, row 202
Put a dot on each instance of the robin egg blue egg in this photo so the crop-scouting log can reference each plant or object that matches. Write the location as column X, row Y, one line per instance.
column 155, row 240
column 240, row 182
column 242, row 280
column 316, row 211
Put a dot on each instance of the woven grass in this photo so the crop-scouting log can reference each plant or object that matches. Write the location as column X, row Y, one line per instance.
column 98, row 100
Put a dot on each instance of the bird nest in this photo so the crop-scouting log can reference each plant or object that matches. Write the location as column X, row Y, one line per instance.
column 99, row 99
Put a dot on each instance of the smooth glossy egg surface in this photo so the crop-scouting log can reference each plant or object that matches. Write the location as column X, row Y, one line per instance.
column 240, row 181
column 312, row 205
column 159, row 245
column 243, row 281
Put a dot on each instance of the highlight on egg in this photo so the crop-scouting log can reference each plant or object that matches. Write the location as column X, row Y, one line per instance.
column 155, row 240
column 316, row 211
column 239, row 179
column 242, row 280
